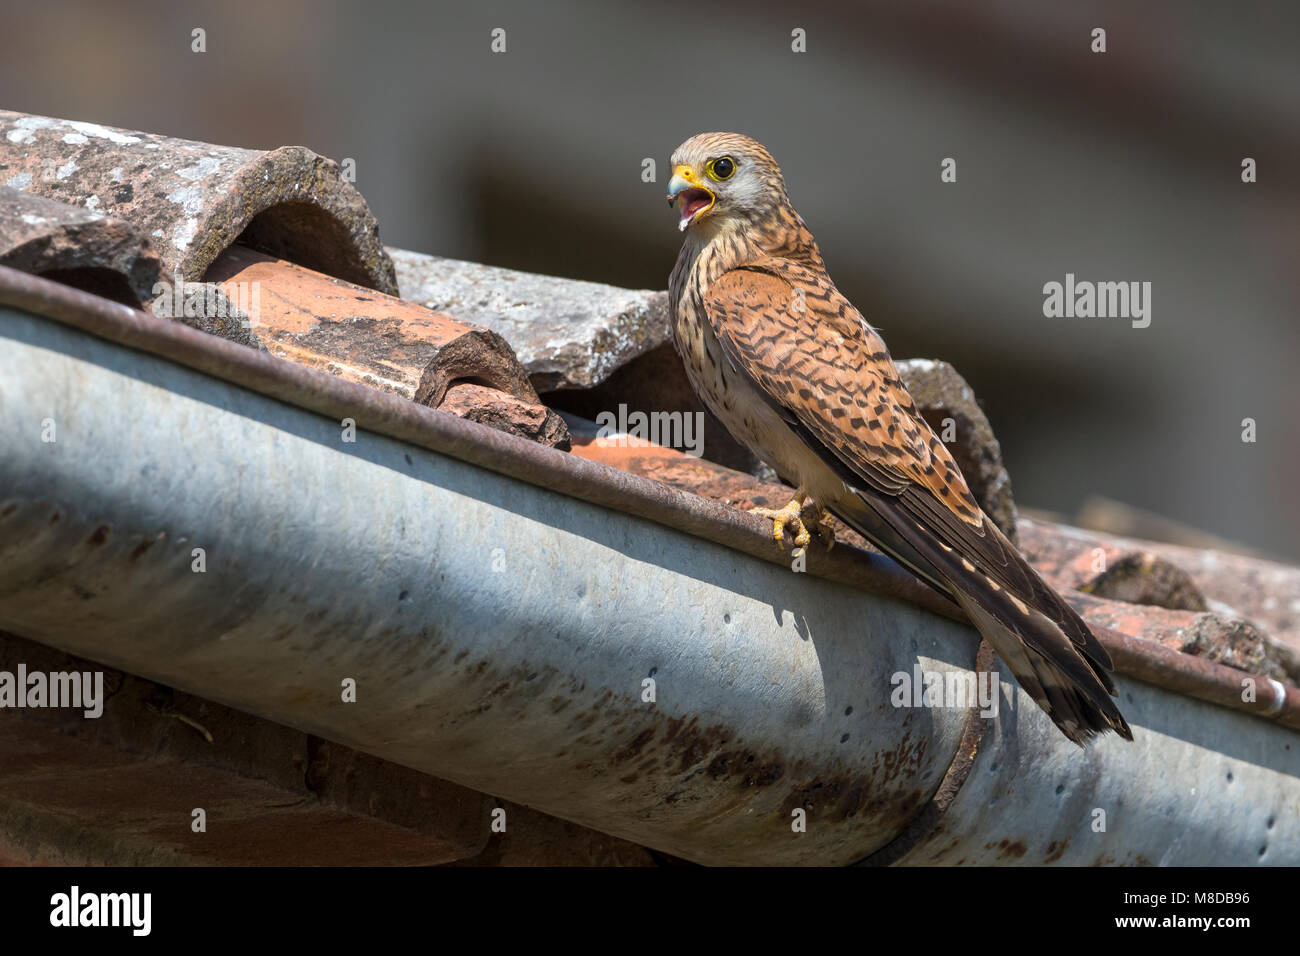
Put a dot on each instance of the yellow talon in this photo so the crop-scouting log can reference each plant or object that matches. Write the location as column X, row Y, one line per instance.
column 826, row 526
column 791, row 514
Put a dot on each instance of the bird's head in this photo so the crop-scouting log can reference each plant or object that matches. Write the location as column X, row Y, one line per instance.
column 719, row 176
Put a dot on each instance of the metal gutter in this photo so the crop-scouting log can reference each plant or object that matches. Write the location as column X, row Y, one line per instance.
column 1137, row 649
column 500, row 633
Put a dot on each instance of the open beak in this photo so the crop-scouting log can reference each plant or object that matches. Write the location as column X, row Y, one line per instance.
column 693, row 199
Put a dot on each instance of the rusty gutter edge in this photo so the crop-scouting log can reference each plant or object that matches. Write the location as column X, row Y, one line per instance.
column 585, row 480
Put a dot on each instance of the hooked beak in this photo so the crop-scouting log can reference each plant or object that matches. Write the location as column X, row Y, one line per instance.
column 693, row 198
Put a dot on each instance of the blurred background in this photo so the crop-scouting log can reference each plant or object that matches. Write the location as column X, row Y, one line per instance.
column 1122, row 166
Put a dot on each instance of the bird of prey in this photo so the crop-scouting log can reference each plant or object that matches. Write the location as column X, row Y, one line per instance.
column 794, row 372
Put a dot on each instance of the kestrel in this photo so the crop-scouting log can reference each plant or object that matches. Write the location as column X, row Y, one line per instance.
column 794, row 372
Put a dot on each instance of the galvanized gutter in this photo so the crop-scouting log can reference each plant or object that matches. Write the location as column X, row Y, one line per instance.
column 500, row 633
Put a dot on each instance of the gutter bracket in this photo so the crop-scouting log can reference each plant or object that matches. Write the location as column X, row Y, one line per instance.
column 931, row 815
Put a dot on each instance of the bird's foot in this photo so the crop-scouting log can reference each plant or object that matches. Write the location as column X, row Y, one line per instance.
column 824, row 523
column 791, row 514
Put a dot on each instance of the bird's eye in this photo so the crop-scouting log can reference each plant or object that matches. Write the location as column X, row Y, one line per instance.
column 720, row 169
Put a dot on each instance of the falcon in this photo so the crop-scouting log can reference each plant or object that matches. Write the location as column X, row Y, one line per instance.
column 795, row 373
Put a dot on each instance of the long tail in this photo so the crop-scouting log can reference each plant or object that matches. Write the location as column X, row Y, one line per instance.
column 1047, row 646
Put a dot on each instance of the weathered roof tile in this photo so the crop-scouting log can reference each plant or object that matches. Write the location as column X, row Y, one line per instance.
column 192, row 200
column 567, row 333
column 77, row 246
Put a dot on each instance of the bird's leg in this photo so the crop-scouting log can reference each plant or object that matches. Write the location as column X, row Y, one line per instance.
column 791, row 514
column 825, row 522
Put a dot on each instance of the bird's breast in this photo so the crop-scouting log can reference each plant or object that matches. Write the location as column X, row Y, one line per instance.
column 733, row 399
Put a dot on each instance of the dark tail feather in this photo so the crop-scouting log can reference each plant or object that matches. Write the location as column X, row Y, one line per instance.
column 1054, row 656
column 1080, row 709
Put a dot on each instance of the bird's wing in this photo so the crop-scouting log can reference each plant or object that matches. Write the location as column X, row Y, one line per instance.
column 814, row 358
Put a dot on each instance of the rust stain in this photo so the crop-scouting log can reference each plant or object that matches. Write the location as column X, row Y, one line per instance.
column 1007, row 848
column 634, row 747
column 748, row 767
column 903, row 761
column 138, row 551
